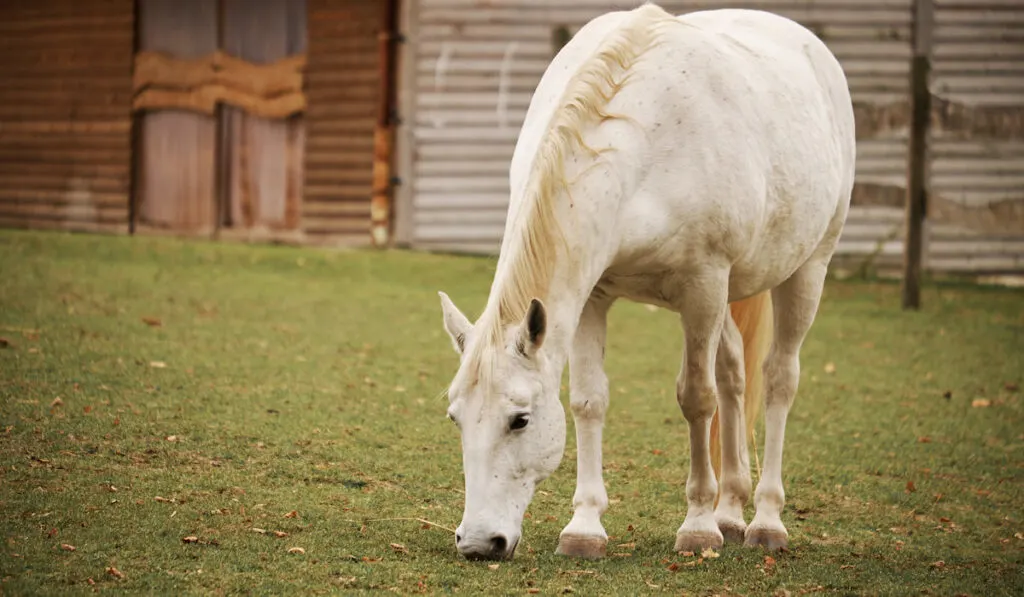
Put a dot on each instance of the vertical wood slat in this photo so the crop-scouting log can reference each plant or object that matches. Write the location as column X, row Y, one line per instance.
column 177, row 155
column 65, row 115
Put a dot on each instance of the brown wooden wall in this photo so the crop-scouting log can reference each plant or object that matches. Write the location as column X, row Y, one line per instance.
column 65, row 113
column 342, row 87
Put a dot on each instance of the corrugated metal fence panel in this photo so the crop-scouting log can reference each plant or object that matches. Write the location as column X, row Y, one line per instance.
column 976, row 202
column 471, row 53
column 65, row 113
column 342, row 87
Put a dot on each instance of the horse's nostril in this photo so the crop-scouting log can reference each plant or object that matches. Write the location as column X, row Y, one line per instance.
column 458, row 538
column 498, row 544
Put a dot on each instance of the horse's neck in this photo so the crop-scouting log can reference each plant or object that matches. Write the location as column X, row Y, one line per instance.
column 588, row 230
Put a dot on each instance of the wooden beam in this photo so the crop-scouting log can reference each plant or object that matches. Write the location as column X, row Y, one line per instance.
column 383, row 136
column 917, row 165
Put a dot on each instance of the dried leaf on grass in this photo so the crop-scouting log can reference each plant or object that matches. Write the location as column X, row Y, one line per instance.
column 291, row 514
column 399, row 548
column 115, row 572
column 152, row 322
column 190, row 539
column 297, row 550
column 158, row 364
column 67, row 547
column 709, row 553
column 981, row 403
column 494, row 566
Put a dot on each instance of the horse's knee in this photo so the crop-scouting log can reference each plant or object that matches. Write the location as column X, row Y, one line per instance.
column 782, row 376
column 731, row 385
column 697, row 402
column 588, row 397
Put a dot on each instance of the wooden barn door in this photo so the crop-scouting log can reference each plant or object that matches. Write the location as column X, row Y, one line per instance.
column 219, row 89
column 176, row 148
column 262, row 156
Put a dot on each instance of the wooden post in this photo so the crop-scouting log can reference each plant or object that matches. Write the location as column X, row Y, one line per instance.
column 917, row 165
column 383, row 136
column 222, row 147
column 135, row 174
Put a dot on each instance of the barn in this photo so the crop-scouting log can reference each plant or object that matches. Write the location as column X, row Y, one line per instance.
column 392, row 122
column 248, row 119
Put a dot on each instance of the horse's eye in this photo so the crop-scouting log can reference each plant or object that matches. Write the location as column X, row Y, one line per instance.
column 518, row 422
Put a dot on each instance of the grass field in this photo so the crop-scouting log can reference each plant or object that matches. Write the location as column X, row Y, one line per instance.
column 169, row 408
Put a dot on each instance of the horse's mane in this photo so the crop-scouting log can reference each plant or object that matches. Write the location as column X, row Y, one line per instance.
column 535, row 237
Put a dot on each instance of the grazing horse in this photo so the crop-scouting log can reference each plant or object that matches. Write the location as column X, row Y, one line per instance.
column 692, row 163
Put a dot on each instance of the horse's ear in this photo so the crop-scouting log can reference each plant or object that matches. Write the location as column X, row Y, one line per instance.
column 455, row 323
column 532, row 330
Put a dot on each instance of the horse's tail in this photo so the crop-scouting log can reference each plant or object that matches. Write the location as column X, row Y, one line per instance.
column 753, row 317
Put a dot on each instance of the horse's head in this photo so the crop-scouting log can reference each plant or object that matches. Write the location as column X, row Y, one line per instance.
column 512, row 426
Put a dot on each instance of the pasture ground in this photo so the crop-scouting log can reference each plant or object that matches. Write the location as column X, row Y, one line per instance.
column 162, row 400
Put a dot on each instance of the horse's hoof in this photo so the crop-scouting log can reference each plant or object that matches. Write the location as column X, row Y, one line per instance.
column 696, row 541
column 582, row 546
column 773, row 539
column 734, row 531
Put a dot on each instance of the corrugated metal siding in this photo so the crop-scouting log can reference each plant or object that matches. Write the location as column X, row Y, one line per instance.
column 469, row 54
column 342, row 87
column 65, row 113
column 976, row 203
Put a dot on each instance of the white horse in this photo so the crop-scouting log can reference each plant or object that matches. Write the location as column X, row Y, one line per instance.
column 688, row 163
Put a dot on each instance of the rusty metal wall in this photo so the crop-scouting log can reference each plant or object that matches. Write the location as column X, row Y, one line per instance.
column 65, row 113
column 342, row 86
column 477, row 63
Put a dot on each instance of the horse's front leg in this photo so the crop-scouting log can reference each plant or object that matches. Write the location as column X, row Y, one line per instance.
column 584, row 536
column 703, row 310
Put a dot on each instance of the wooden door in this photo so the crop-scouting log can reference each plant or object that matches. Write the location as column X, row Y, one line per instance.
column 176, row 150
column 221, row 143
column 263, row 156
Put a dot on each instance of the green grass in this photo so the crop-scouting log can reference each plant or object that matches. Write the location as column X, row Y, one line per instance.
column 308, row 381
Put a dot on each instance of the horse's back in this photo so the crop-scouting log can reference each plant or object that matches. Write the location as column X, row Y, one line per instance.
column 751, row 148
column 735, row 149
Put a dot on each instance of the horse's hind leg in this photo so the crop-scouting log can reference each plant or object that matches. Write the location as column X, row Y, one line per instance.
column 735, row 478
column 703, row 307
column 795, row 303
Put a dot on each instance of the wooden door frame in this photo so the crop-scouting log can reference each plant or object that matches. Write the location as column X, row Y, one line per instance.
column 405, row 142
column 382, row 199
